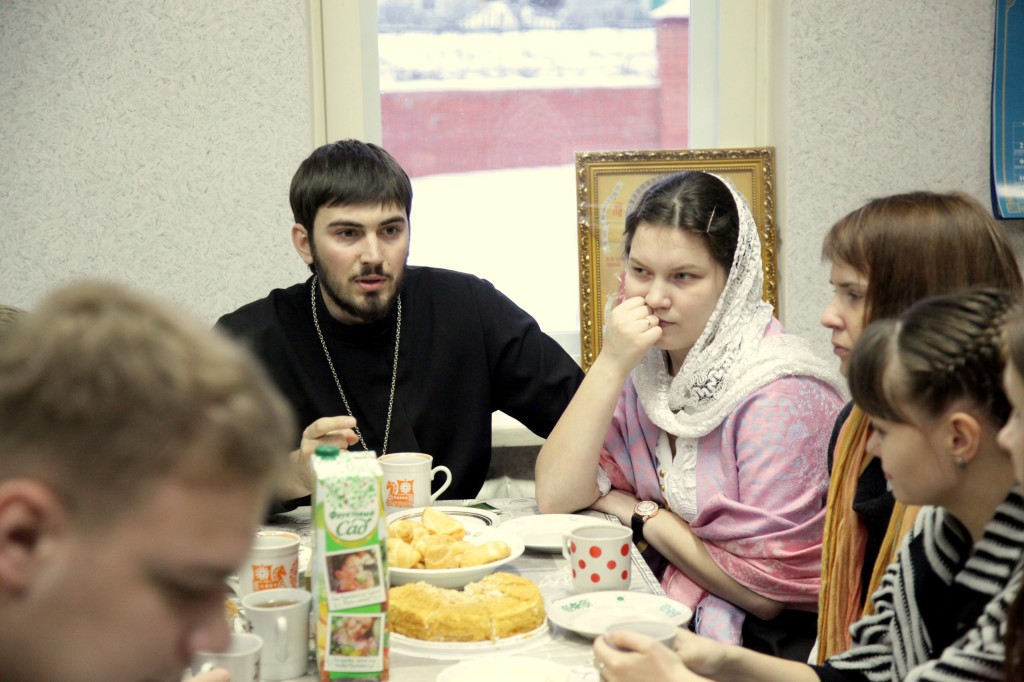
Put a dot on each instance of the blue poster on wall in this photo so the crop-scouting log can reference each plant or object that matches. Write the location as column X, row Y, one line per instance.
column 1008, row 110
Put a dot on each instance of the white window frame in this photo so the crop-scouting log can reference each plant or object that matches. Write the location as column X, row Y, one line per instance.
column 343, row 41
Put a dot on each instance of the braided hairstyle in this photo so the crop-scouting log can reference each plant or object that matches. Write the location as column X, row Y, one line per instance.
column 940, row 350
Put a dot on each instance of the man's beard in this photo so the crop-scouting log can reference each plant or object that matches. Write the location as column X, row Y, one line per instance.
column 367, row 307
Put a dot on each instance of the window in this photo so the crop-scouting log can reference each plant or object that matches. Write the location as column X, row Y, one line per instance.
column 484, row 104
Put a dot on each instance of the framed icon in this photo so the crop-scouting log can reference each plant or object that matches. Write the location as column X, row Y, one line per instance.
column 609, row 185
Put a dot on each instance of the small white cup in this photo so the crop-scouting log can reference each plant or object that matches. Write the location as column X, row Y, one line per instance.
column 241, row 659
column 273, row 562
column 280, row 617
column 659, row 630
column 599, row 557
column 407, row 480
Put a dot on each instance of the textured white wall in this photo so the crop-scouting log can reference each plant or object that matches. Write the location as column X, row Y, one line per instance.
column 882, row 96
column 151, row 142
column 154, row 141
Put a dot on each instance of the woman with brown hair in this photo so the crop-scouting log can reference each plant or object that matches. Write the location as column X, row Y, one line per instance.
column 886, row 255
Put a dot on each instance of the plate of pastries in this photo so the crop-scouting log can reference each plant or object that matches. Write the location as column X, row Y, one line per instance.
column 435, row 547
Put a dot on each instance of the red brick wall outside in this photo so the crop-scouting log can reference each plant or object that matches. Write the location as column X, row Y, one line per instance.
column 467, row 130
column 674, row 75
column 458, row 131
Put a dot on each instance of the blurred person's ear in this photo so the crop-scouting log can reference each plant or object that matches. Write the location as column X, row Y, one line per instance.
column 29, row 512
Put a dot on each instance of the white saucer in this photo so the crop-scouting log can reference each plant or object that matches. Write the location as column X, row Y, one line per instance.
column 544, row 532
column 590, row 614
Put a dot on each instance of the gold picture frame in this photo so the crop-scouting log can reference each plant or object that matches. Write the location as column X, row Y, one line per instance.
column 609, row 183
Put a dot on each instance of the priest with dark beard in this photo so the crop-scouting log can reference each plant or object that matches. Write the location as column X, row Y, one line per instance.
column 375, row 354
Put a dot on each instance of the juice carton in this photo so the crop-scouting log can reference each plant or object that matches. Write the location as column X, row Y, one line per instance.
column 349, row 567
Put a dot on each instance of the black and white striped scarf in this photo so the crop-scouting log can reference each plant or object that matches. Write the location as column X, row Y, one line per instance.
column 940, row 612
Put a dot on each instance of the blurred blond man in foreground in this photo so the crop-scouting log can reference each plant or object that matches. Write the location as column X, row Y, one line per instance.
column 137, row 450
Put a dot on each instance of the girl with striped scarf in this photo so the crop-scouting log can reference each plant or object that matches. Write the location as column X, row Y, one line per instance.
column 1012, row 439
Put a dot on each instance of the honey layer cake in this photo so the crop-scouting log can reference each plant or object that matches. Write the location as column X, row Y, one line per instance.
column 500, row 605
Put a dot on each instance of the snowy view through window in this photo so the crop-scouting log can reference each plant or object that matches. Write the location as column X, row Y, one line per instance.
column 514, row 221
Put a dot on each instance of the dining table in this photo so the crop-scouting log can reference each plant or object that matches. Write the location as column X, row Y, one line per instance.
column 547, row 568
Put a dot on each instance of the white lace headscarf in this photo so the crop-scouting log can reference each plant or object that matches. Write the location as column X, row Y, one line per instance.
column 732, row 357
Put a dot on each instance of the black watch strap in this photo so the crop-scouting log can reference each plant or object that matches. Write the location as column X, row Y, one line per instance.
column 638, row 528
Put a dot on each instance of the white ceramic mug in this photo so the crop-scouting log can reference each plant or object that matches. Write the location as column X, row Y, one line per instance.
column 273, row 562
column 407, row 480
column 659, row 630
column 241, row 659
column 280, row 617
column 599, row 556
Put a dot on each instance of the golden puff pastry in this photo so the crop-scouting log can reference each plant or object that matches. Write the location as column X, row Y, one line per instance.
column 484, row 553
column 402, row 555
column 425, row 542
column 409, row 531
column 442, row 524
column 445, row 555
column 437, row 543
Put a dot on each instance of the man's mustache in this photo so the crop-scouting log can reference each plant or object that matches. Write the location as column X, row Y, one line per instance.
column 367, row 270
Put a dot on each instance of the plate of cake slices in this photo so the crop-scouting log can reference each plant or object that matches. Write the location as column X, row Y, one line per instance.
column 505, row 669
column 503, row 612
column 437, row 547
column 545, row 532
column 590, row 614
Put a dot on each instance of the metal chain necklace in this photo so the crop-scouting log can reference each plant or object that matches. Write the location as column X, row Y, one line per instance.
column 330, row 363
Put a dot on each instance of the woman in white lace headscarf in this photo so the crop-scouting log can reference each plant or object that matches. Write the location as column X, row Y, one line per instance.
column 700, row 403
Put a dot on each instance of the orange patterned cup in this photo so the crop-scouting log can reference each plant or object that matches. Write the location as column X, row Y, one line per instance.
column 407, row 480
column 273, row 562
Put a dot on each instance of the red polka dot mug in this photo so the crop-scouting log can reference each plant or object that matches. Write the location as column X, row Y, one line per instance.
column 599, row 557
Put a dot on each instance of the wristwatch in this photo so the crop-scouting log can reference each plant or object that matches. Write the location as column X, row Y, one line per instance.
column 642, row 512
